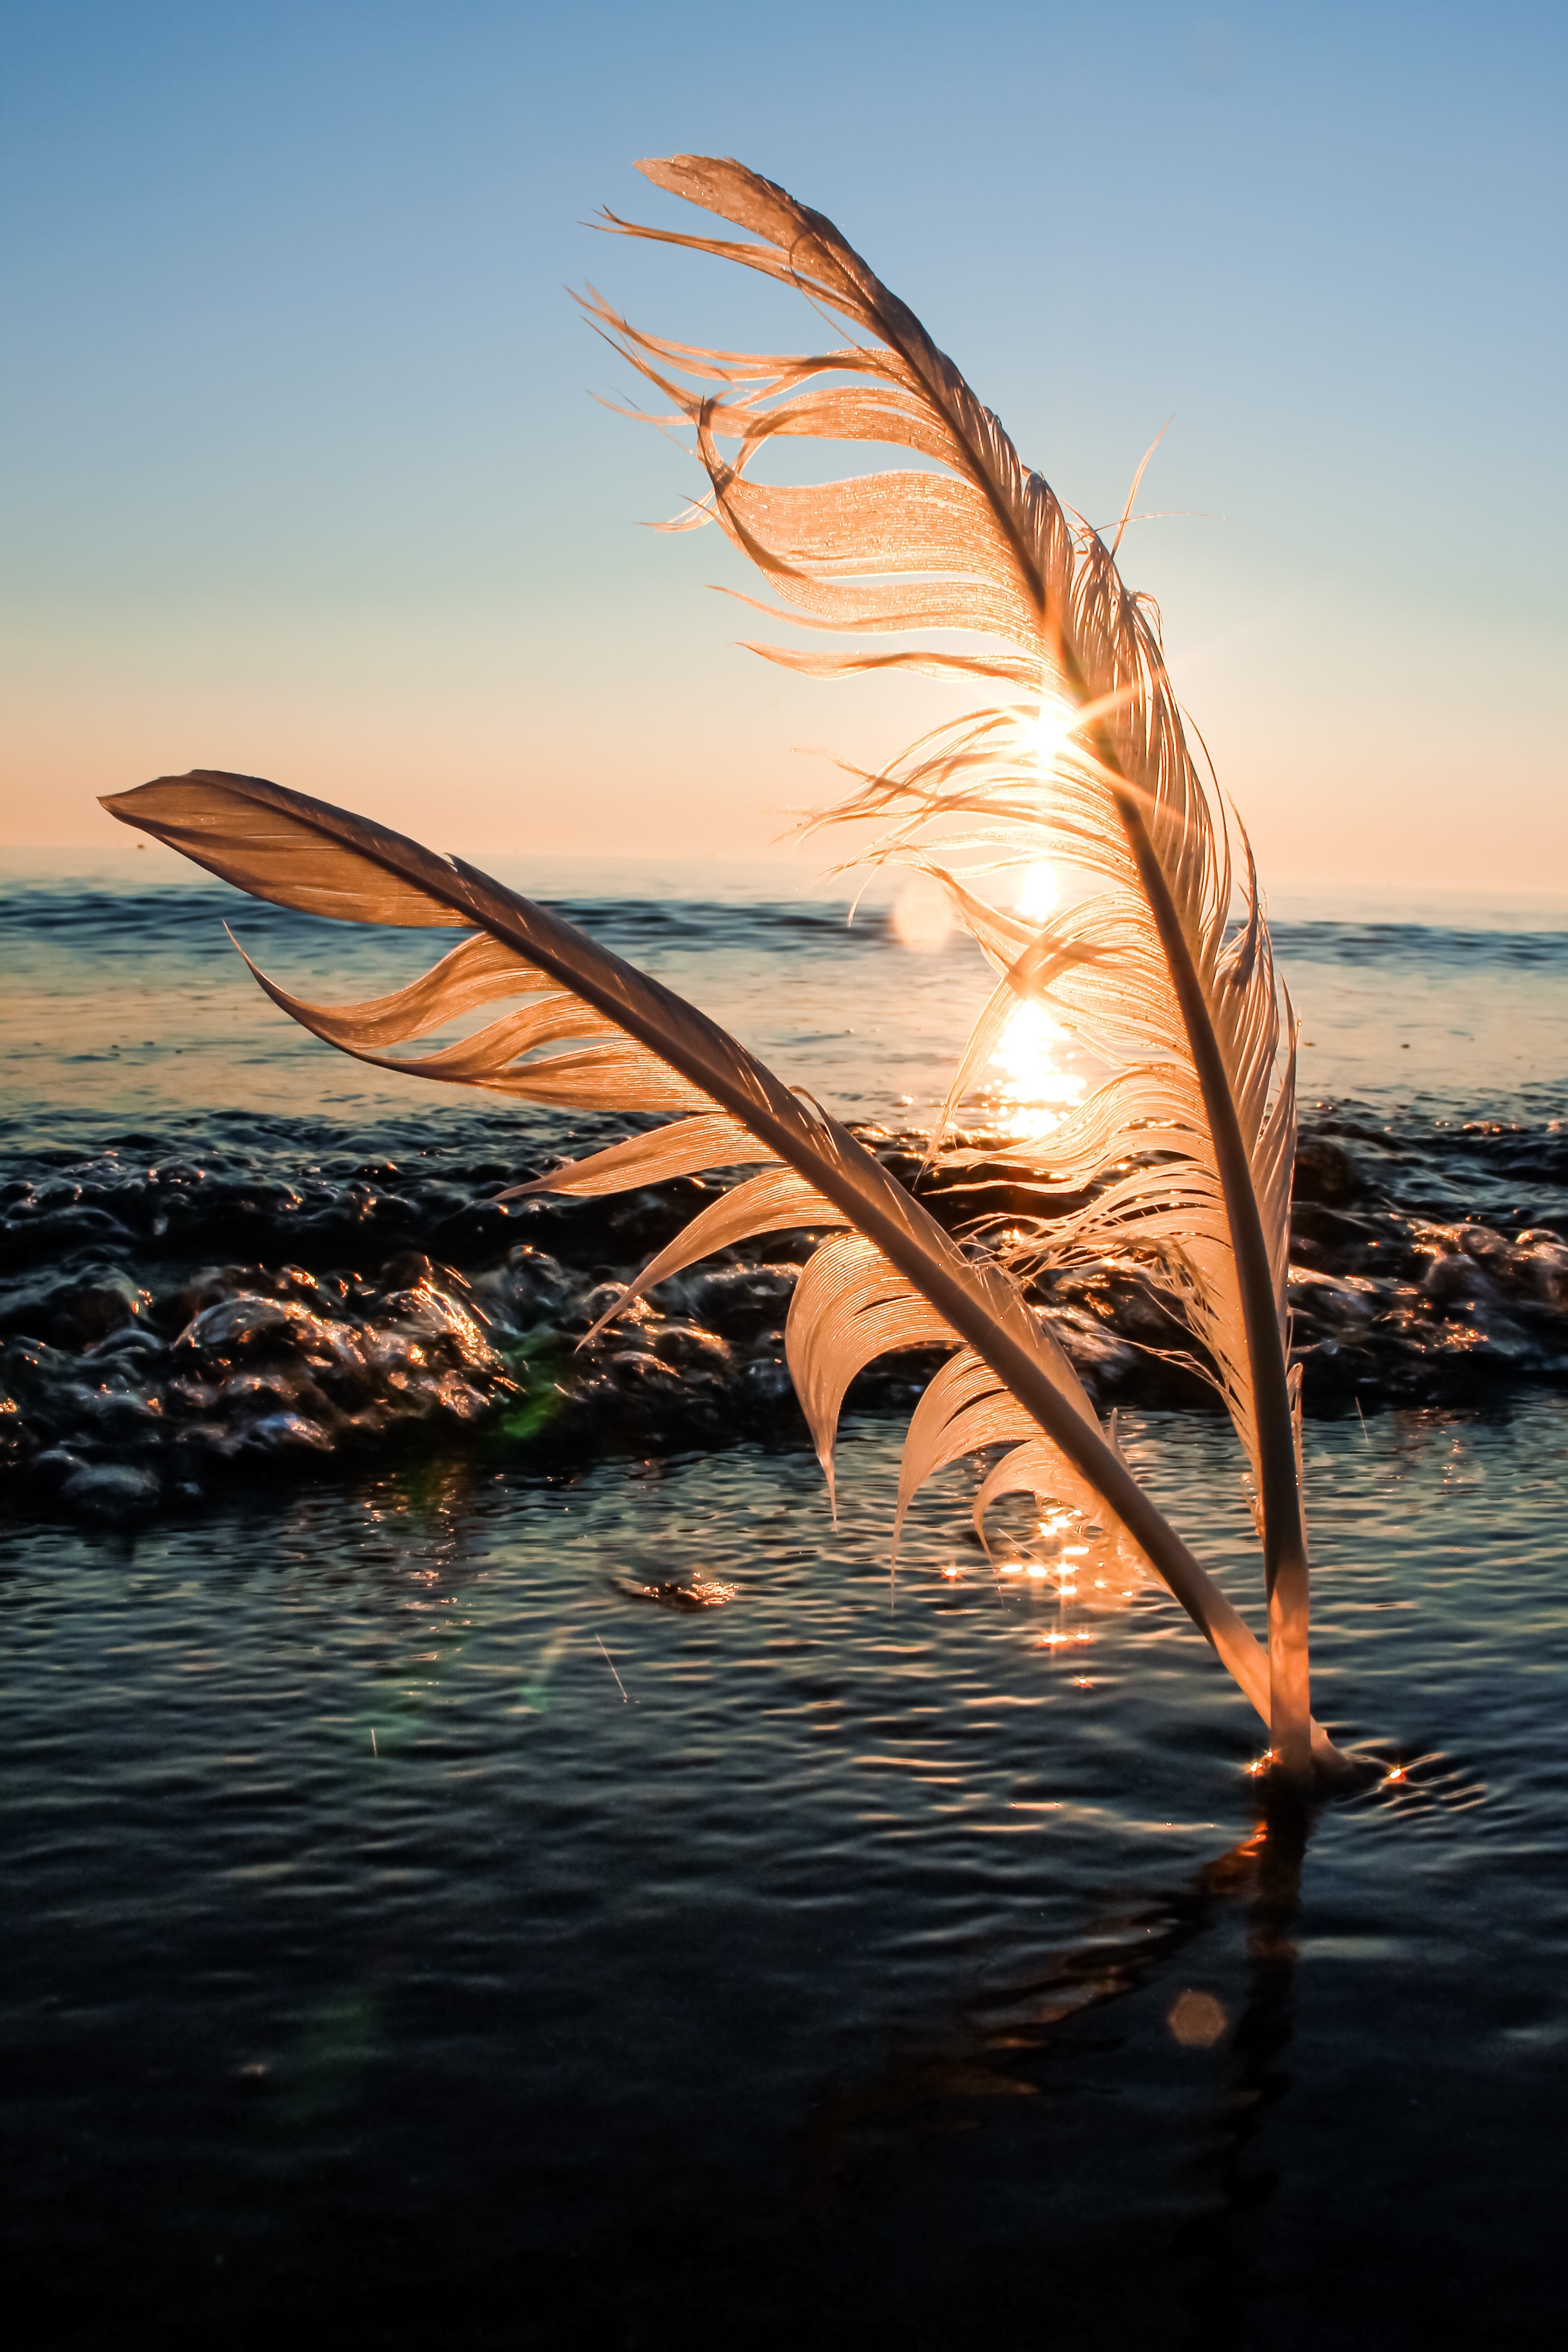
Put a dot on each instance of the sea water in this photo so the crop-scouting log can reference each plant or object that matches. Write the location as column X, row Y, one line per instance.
column 492, row 1860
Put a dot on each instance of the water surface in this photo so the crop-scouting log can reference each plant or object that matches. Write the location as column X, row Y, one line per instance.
column 525, row 1880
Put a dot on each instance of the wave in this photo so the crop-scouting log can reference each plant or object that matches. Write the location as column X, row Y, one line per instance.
column 172, row 914
column 1417, row 943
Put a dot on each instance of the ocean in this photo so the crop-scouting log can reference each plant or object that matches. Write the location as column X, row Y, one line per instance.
column 492, row 1860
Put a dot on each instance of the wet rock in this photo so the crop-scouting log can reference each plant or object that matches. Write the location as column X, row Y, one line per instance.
column 1542, row 1266
column 394, row 1355
column 1342, row 1240
column 639, row 1373
column 1122, row 1300
column 1100, row 1358
column 248, row 1325
column 132, row 1346
column 323, row 1293
column 601, row 1299
column 641, row 1223
column 701, row 1594
column 406, row 1271
column 1481, row 1243
column 740, row 1302
column 691, row 1348
column 50, row 1467
column 280, row 1433
column 1138, row 1312
column 75, row 1313
column 109, row 1491
column 17, row 1442
column 1335, row 1302
column 371, row 1306
column 459, row 1399
column 279, row 1389
column 533, row 1288
column 1326, row 1174
column 766, row 1384
column 176, row 1309
column 119, row 1415
column 441, row 1320
column 1453, row 1278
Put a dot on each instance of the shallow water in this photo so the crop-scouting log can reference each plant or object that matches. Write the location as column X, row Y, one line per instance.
column 494, row 1890
column 417, row 1932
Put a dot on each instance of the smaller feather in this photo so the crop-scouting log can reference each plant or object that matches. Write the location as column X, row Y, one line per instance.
column 894, row 1280
column 688, row 1148
column 778, row 1201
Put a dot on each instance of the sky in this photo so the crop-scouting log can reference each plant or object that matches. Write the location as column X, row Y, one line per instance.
column 307, row 471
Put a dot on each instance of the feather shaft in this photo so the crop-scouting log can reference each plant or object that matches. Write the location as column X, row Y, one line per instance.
column 1279, row 1492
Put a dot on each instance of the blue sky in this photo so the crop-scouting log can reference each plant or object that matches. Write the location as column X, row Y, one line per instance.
column 304, row 475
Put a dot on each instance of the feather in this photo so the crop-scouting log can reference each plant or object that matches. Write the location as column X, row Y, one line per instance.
column 777, row 1202
column 965, row 1408
column 1104, row 1568
column 980, row 543
column 907, row 1282
column 685, row 1148
column 851, row 1306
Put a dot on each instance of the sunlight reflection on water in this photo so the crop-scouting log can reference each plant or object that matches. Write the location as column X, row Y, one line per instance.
column 1035, row 1089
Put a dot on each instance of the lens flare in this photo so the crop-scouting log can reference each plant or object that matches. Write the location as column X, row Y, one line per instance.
column 923, row 916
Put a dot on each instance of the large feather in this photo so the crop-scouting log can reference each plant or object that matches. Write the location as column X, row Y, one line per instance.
column 1147, row 972
column 909, row 1284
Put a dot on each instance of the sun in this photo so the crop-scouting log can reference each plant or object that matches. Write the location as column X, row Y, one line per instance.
column 1051, row 731
column 1040, row 892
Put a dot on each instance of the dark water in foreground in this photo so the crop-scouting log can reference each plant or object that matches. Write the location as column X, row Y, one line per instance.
column 515, row 1873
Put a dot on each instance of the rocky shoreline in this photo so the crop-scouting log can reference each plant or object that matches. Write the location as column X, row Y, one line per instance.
column 171, row 1328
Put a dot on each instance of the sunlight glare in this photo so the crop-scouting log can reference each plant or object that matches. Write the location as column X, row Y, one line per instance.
column 1035, row 1089
column 1040, row 892
column 1052, row 729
